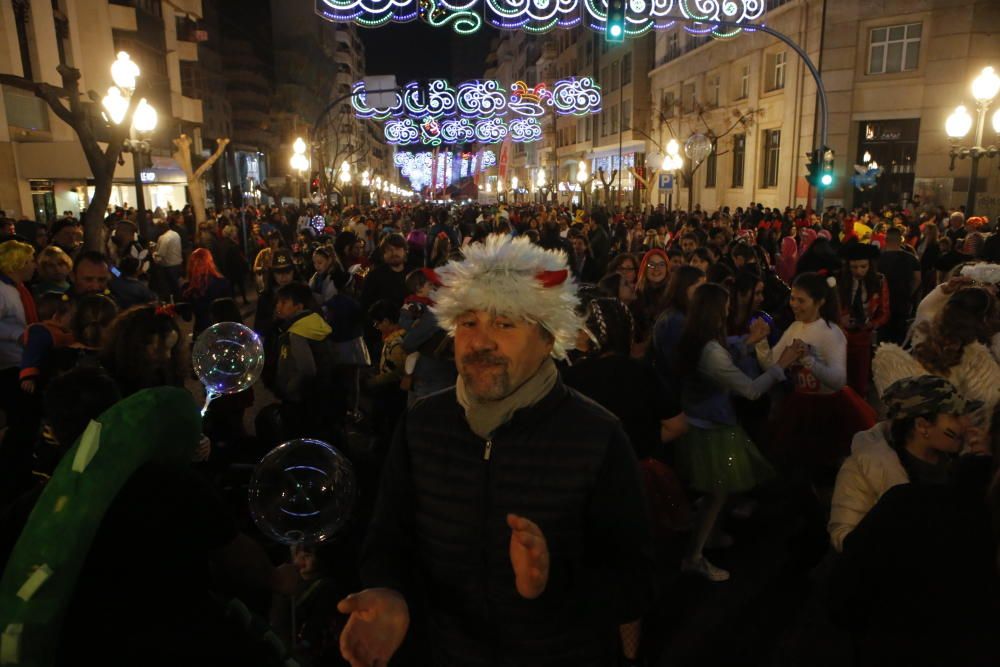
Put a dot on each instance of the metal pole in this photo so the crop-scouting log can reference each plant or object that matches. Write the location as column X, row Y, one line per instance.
column 970, row 202
column 140, row 197
column 621, row 167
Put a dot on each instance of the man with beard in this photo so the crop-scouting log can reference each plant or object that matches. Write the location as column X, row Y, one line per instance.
column 387, row 280
column 510, row 517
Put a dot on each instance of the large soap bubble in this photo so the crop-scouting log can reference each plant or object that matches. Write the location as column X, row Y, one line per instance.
column 228, row 357
column 303, row 491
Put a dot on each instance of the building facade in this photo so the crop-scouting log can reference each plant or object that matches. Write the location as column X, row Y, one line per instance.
column 43, row 171
column 893, row 72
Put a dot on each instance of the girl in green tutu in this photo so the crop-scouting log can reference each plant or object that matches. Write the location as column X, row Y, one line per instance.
column 716, row 456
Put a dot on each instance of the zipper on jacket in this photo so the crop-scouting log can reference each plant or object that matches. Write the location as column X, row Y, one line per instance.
column 487, row 450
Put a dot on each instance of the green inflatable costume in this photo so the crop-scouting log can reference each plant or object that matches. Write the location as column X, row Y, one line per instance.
column 161, row 425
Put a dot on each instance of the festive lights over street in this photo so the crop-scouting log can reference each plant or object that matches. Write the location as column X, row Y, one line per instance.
column 423, row 169
column 539, row 16
column 476, row 111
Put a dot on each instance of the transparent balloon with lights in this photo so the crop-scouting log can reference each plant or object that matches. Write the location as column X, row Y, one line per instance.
column 302, row 492
column 228, row 358
column 697, row 147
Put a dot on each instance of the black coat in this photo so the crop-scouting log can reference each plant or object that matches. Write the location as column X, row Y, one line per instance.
column 439, row 533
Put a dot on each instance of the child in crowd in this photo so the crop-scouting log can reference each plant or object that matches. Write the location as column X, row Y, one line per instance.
column 304, row 369
column 428, row 365
column 54, row 269
column 44, row 339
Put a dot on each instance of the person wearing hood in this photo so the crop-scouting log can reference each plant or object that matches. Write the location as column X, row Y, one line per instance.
column 305, row 357
column 923, row 432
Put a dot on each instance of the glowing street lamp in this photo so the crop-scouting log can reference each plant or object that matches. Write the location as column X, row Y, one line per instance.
column 124, row 74
column 985, row 89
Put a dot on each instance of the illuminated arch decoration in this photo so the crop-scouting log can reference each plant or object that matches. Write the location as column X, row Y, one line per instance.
column 539, row 16
column 422, row 169
column 476, row 111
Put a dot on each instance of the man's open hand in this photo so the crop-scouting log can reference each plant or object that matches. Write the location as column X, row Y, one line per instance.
column 378, row 623
column 529, row 556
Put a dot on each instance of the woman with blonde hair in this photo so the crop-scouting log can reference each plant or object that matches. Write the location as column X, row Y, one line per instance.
column 17, row 311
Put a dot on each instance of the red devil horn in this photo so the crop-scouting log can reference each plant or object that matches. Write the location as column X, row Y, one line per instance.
column 552, row 278
column 432, row 276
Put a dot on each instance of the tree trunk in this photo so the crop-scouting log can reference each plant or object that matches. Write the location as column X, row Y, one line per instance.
column 196, row 189
column 93, row 218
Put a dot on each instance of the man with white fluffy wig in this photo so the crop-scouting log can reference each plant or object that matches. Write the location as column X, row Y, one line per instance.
column 510, row 515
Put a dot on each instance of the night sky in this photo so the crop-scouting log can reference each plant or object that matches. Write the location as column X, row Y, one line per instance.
column 416, row 50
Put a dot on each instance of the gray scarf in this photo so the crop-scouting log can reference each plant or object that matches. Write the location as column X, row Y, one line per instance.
column 485, row 417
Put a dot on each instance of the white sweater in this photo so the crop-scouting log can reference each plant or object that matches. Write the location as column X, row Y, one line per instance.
column 824, row 367
column 872, row 469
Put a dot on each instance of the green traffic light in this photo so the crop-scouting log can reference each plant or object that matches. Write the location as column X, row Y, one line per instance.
column 826, row 180
column 616, row 31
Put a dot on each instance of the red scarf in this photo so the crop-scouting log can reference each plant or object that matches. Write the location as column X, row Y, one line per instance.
column 28, row 303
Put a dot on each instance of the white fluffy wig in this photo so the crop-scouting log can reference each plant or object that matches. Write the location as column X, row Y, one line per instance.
column 514, row 278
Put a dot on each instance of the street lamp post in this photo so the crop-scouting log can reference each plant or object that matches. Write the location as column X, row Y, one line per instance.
column 582, row 178
column 345, row 177
column 300, row 163
column 124, row 74
column 984, row 89
column 672, row 163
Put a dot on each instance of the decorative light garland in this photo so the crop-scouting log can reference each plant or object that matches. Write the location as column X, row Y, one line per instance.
column 435, row 113
column 540, row 16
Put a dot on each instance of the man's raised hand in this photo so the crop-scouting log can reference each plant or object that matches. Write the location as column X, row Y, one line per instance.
column 529, row 556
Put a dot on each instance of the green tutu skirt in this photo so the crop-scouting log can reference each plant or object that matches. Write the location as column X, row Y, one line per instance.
column 721, row 459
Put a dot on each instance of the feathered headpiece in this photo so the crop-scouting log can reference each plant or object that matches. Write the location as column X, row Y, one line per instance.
column 515, row 278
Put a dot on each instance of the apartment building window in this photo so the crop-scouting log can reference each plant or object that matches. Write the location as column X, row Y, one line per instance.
column 190, row 80
column 743, row 81
column 614, row 119
column 668, row 104
column 588, row 51
column 776, row 63
column 772, row 157
column 687, row 97
column 894, row 48
column 614, row 76
column 739, row 157
column 590, row 128
column 627, row 69
column 604, row 123
column 62, row 33
column 626, row 115
column 605, row 77
column 713, row 84
column 710, row 168
column 673, row 45
column 22, row 19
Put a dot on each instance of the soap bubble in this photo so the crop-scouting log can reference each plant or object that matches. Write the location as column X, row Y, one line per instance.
column 228, row 357
column 302, row 491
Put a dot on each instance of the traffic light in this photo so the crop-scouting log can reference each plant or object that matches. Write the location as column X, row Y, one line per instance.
column 813, row 168
column 826, row 172
column 614, row 31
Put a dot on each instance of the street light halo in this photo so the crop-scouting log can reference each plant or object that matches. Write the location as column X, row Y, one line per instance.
column 124, row 71
column 144, row 119
column 986, row 86
column 959, row 123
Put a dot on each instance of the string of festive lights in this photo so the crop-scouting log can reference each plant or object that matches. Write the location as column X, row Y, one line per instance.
column 540, row 16
column 482, row 99
column 433, row 132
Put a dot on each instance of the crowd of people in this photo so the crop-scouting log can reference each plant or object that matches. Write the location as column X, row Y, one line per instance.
column 550, row 411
